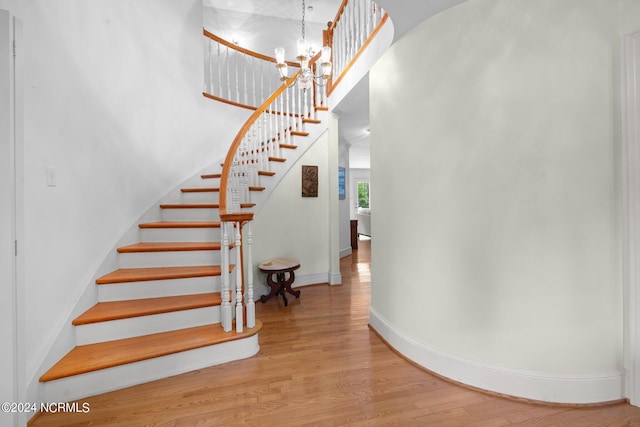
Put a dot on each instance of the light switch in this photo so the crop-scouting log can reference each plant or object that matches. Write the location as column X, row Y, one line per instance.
column 51, row 176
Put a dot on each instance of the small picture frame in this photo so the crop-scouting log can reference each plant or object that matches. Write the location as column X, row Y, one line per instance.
column 309, row 181
column 342, row 192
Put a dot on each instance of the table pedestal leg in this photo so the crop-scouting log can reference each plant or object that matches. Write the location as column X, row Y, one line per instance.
column 279, row 286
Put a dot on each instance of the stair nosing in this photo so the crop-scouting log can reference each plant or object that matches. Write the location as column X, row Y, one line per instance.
column 145, row 247
column 128, row 275
column 117, row 310
column 200, row 190
column 180, row 224
column 135, row 349
column 189, row 206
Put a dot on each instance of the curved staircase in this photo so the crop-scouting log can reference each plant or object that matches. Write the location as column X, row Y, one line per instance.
column 159, row 313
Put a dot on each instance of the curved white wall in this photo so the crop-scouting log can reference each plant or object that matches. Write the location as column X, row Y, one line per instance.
column 496, row 175
column 112, row 95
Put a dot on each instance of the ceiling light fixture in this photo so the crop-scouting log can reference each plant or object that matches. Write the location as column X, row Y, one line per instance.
column 306, row 78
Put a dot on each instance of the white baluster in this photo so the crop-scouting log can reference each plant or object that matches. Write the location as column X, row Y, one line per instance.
column 219, row 56
column 251, row 305
column 283, row 125
column 244, row 73
column 226, row 305
column 235, row 56
column 253, row 80
column 228, row 75
column 210, row 80
column 288, row 124
column 239, row 317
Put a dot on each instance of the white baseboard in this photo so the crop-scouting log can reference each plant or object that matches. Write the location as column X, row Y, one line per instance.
column 345, row 252
column 596, row 387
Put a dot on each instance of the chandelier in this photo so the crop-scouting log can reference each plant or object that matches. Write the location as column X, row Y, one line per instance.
column 305, row 53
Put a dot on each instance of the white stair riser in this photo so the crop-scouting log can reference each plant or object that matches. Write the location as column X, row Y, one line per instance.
column 145, row 325
column 169, row 259
column 204, row 197
column 190, row 215
column 92, row 383
column 180, row 234
column 159, row 288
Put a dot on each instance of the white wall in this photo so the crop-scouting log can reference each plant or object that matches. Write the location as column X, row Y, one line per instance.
column 261, row 33
column 113, row 102
column 345, row 213
column 290, row 225
column 504, row 189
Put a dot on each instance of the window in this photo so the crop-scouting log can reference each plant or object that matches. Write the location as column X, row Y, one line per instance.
column 363, row 194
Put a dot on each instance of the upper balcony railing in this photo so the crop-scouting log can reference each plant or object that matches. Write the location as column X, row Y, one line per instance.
column 355, row 25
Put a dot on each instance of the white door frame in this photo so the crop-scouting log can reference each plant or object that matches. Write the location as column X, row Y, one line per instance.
column 8, row 274
column 630, row 85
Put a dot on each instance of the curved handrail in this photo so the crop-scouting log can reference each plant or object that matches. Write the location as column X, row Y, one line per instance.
column 244, row 83
column 235, row 145
column 334, row 82
column 243, row 50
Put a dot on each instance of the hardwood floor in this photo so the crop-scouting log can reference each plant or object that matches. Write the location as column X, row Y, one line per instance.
column 320, row 365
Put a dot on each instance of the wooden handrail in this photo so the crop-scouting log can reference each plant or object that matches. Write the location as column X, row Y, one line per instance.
column 245, row 51
column 226, row 101
column 338, row 15
column 228, row 161
column 334, row 83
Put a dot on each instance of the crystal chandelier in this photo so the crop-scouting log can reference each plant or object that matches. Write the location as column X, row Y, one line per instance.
column 306, row 78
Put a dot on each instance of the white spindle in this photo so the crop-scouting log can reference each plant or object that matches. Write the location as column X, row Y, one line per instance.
column 244, row 83
column 251, row 305
column 228, row 75
column 239, row 317
column 226, row 305
column 288, row 123
column 237, row 80
column 253, row 79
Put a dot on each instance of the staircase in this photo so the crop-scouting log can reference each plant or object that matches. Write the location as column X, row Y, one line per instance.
column 159, row 314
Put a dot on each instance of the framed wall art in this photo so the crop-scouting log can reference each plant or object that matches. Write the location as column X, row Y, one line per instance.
column 309, row 181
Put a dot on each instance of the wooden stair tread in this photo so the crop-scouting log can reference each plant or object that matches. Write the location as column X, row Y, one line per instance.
column 256, row 188
column 93, row 357
column 277, row 159
column 321, row 108
column 289, row 146
column 299, row 133
column 211, row 175
column 266, row 173
column 115, row 310
column 200, row 190
column 125, row 275
column 169, row 247
column 314, row 121
column 247, row 205
column 181, row 224
column 189, row 206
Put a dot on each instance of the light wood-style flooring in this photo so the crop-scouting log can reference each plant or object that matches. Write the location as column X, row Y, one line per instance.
column 320, row 365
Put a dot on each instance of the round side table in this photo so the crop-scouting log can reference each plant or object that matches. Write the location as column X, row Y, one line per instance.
column 277, row 270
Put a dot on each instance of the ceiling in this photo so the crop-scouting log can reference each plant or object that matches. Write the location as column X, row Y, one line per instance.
column 353, row 110
column 321, row 11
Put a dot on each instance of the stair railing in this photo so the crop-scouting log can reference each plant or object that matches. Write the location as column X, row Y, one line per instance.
column 268, row 130
column 354, row 27
column 259, row 142
column 236, row 75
